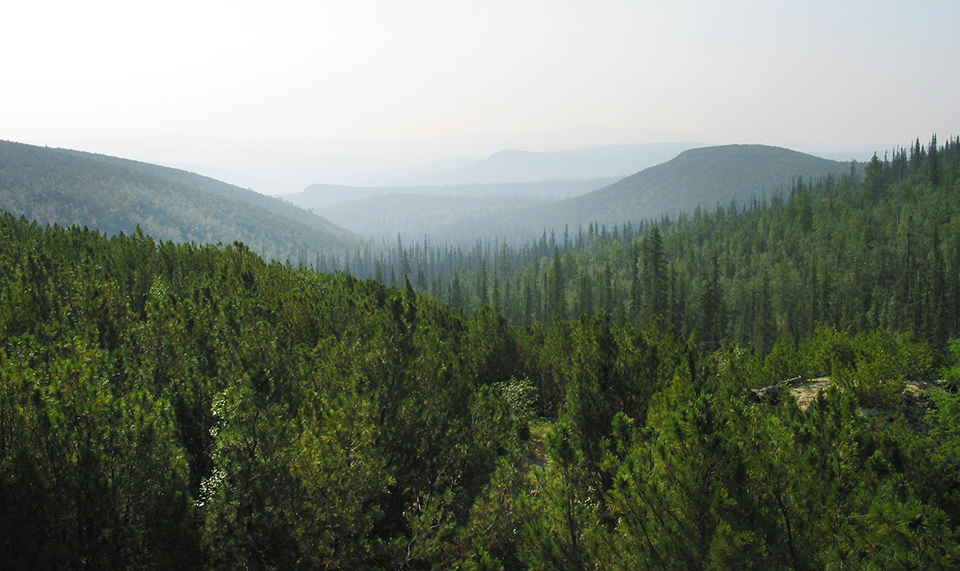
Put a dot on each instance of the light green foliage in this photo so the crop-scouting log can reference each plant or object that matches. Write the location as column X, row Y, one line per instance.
column 670, row 494
column 951, row 370
column 341, row 474
column 560, row 511
column 520, row 395
column 874, row 366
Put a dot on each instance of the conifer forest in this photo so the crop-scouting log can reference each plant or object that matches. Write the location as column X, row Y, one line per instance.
column 765, row 384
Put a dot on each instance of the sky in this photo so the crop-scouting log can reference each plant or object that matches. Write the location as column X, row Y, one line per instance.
column 805, row 74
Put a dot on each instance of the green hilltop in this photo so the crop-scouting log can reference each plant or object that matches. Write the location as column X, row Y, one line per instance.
column 113, row 195
column 701, row 177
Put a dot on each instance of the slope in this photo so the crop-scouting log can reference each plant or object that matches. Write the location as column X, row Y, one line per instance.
column 588, row 163
column 697, row 177
column 444, row 219
column 116, row 195
column 321, row 196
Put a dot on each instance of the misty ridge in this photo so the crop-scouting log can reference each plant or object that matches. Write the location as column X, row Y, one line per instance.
column 520, row 211
column 282, row 168
column 511, row 196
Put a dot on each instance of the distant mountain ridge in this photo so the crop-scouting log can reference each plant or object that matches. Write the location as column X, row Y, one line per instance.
column 279, row 167
column 575, row 164
column 702, row 177
column 445, row 219
column 323, row 196
column 116, row 195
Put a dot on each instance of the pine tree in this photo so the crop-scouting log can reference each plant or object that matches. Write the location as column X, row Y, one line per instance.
column 482, row 283
column 933, row 161
column 456, row 292
column 713, row 319
column 654, row 277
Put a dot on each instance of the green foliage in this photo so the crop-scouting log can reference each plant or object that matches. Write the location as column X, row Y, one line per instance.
column 946, row 416
column 57, row 186
column 874, row 366
column 560, row 511
column 783, row 362
column 951, row 370
column 520, row 395
column 837, row 250
column 671, row 485
column 84, row 462
column 172, row 405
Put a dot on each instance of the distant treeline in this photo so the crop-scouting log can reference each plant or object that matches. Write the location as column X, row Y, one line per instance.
column 881, row 250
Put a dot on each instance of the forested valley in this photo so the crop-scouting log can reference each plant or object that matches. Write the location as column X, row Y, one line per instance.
column 598, row 399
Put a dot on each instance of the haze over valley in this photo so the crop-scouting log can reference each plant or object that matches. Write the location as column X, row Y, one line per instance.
column 497, row 286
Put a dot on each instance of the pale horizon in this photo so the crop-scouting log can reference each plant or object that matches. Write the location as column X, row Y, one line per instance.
column 407, row 84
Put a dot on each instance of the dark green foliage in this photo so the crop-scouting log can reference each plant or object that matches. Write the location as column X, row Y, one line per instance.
column 170, row 405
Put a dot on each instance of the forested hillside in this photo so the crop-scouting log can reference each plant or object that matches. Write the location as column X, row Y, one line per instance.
column 702, row 178
column 168, row 405
column 117, row 195
column 176, row 405
column 850, row 251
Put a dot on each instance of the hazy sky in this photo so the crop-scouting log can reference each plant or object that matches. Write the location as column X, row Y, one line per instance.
column 795, row 73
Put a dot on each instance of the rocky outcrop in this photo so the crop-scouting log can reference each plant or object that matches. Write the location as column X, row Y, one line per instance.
column 914, row 402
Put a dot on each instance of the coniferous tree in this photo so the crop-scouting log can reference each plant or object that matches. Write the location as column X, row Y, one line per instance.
column 712, row 319
column 933, row 161
column 654, row 277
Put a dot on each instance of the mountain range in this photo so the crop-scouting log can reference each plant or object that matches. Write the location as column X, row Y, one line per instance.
column 118, row 195
column 575, row 164
column 329, row 196
column 703, row 177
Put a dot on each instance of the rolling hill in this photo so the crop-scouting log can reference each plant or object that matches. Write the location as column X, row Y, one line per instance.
column 702, row 177
column 65, row 187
